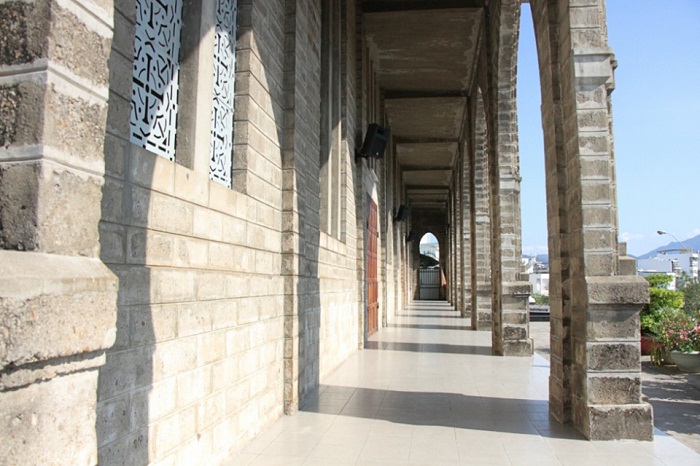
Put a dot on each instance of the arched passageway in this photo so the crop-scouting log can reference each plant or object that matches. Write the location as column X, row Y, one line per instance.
column 430, row 275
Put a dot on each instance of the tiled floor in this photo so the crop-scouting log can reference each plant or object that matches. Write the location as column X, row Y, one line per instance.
column 427, row 392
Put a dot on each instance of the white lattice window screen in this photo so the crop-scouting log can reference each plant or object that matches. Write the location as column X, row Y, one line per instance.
column 222, row 105
column 155, row 81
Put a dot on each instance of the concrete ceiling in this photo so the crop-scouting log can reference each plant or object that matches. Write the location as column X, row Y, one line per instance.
column 425, row 55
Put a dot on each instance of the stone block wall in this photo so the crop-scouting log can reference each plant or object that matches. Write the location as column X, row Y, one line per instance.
column 321, row 288
column 196, row 368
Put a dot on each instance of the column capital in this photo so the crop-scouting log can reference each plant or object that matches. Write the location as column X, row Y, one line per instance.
column 594, row 67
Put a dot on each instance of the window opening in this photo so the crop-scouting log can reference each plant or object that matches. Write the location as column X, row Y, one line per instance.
column 154, row 91
column 220, row 160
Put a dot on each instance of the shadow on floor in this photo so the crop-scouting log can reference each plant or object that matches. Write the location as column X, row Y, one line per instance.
column 675, row 397
column 516, row 416
column 428, row 348
column 413, row 314
column 431, row 327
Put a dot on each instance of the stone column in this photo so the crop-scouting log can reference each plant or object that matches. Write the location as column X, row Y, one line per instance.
column 465, row 239
column 511, row 289
column 459, row 265
column 57, row 299
column 605, row 319
column 595, row 377
column 480, row 226
column 451, row 256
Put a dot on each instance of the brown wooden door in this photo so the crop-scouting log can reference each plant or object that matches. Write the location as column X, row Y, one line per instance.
column 371, row 271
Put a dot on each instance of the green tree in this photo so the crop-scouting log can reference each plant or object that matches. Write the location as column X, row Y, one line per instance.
column 659, row 280
column 541, row 299
column 691, row 296
column 660, row 298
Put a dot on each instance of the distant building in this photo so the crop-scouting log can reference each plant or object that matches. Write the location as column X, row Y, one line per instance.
column 538, row 275
column 681, row 264
column 430, row 249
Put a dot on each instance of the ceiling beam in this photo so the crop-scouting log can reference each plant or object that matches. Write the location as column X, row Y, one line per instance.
column 384, row 6
column 427, row 168
column 425, row 186
column 428, row 191
column 417, row 94
column 407, row 140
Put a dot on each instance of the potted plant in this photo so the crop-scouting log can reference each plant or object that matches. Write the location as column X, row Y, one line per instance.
column 678, row 334
column 648, row 319
column 660, row 297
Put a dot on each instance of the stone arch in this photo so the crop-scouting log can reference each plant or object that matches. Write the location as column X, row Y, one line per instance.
column 427, row 222
column 421, row 246
column 509, row 292
column 588, row 296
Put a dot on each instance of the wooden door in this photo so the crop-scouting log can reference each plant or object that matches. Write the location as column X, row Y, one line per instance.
column 371, row 270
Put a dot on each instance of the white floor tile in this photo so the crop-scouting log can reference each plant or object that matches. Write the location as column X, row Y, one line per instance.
column 424, row 394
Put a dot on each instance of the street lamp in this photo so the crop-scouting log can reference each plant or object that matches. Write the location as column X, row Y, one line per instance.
column 685, row 248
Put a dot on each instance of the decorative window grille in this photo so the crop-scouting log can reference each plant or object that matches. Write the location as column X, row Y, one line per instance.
column 224, row 79
column 155, row 80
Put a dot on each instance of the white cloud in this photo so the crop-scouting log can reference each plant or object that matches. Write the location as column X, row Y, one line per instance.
column 626, row 236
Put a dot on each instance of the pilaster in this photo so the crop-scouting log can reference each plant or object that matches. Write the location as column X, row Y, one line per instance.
column 57, row 299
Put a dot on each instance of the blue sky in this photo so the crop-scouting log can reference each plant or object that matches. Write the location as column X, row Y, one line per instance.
column 656, row 118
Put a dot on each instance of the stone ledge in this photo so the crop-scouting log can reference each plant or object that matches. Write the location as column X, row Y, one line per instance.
column 517, row 289
column 54, row 306
column 630, row 290
column 594, row 67
column 45, row 371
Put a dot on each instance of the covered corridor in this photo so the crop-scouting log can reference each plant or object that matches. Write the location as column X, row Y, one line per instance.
column 184, row 260
column 426, row 391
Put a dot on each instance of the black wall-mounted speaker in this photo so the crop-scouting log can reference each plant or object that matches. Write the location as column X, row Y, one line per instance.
column 402, row 213
column 375, row 142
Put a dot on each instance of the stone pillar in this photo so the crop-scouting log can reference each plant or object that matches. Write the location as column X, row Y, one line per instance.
column 451, row 256
column 57, row 299
column 515, row 287
column 465, row 238
column 510, row 288
column 605, row 320
column 595, row 375
column 545, row 22
column 480, row 225
column 292, row 220
column 457, row 231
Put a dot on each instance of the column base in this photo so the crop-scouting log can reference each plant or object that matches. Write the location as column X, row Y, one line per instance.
column 518, row 347
column 619, row 422
column 514, row 319
column 58, row 315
